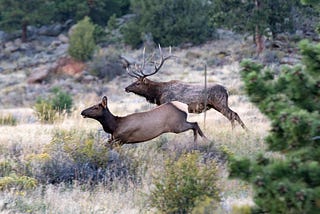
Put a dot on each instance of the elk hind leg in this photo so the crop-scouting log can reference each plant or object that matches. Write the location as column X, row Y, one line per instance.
column 231, row 115
column 187, row 126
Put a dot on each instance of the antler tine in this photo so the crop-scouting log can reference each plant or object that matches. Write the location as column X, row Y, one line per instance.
column 162, row 60
column 144, row 58
column 145, row 61
column 137, row 71
column 132, row 73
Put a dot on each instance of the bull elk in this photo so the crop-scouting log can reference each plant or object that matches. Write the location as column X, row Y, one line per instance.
column 142, row 126
column 194, row 95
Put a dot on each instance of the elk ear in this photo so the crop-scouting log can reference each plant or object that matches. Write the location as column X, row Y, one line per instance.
column 104, row 102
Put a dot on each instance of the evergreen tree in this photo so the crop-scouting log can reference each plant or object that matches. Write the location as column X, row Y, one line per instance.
column 99, row 11
column 82, row 43
column 169, row 22
column 16, row 14
column 316, row 5
column 70, row 9
column 291, row 100
column 256, row 17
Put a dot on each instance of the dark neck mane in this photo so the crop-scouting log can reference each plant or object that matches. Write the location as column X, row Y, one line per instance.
column 109, row 122
column 155, row 92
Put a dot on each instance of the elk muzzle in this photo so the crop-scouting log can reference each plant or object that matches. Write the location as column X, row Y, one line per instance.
column 83, row 114
column 130, row 88
column 87, row 113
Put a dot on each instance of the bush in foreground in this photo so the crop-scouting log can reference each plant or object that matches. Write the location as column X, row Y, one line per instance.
column 183, row 184
column 73, row 156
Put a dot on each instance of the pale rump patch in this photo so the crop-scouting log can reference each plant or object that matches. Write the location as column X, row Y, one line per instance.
column 181, row 106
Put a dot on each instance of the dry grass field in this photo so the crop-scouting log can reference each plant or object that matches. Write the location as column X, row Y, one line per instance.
column 30, row 138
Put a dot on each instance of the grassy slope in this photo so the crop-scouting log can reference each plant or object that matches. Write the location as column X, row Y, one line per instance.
column 33, row 137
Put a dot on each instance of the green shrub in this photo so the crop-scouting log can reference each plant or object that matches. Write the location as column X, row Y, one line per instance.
column 99, row 34
column 5, row 168
column 45, row 111
column 48, row 109
column 112, row 22
column 183, row 184
column 82, row 157
column 17, row 182
column 241, row 209
column 62, row 101
column 8, row 120
column 205, row 206
column 82, row 43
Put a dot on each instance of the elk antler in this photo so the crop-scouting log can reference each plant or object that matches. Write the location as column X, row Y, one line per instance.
column 163, row 59
column 138, row 70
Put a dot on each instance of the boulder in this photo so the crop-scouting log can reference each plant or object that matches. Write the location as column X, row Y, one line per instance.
column 39, row 74
column 290, row 60
column 2, row 37
column 10, row 47
column 63, row 38
column 6, row 37
column 52, row 30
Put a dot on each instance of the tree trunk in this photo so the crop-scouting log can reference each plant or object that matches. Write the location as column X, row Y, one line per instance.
column 259, row 41
column 24, row 32
column 258, row 37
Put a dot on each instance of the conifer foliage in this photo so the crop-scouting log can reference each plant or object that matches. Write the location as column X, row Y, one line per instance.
column 288, row 182
column 82, row 43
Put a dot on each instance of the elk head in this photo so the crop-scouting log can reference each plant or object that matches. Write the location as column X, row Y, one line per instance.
column 97, row 111
column 143, row 85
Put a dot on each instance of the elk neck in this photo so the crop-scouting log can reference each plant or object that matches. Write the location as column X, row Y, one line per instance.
column 108, row 121
column 155, row 91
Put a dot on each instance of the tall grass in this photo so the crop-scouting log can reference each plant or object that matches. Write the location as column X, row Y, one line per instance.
column 122, row 194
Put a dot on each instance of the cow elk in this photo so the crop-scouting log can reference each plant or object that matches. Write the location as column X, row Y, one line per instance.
column 143, row 126
column 195, row 96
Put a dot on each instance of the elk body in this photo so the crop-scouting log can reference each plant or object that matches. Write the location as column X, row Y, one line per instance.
column 195, row 96
column 143, row 126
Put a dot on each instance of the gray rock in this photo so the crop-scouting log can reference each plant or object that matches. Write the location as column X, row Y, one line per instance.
column 63, row 38
column 2, row 37
column 290, row 60
column 39, row 74
column 53, row 30
column 10, row 47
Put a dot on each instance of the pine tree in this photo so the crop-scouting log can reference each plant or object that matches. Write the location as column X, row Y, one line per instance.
column 316, row 5
column 169, row 22
column 254, row 17
column 288, row 182
column 82, row 43
column 16, row 14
